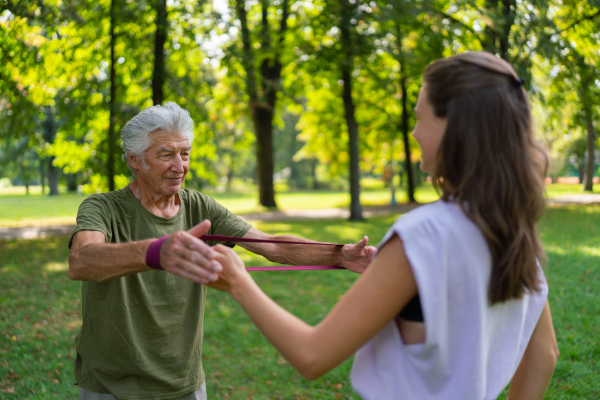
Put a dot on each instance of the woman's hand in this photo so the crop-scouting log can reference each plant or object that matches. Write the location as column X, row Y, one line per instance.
column 234, row 270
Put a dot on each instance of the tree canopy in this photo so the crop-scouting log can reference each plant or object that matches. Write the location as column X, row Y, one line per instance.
column 324, row 89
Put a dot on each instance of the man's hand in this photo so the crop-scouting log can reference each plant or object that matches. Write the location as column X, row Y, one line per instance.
column 183, row 254
column 356, row 257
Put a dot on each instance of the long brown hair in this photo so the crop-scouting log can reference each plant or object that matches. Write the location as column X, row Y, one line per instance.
column 490, row 163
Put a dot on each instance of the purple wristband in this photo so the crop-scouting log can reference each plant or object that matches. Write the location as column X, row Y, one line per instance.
column 153, row 253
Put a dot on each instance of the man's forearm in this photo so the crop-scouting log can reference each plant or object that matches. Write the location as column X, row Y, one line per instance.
column 295, row 254
column 298, row 254
column 99, row 262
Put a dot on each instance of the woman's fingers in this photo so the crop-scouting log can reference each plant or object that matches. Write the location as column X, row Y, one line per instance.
column 201, row 275
column 184, row 255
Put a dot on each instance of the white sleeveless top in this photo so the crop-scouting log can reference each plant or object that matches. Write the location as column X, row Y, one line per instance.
column 471, row 349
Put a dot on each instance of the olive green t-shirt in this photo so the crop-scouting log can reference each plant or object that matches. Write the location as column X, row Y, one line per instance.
column 141, row 335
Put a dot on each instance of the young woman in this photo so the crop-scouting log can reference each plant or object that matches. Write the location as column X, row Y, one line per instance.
column 454, row 305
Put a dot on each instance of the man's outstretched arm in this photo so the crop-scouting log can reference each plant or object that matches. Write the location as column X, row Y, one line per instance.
column 182, row 254
column 355, row 257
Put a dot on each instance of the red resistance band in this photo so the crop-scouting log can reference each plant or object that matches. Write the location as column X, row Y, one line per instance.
column 219, row 238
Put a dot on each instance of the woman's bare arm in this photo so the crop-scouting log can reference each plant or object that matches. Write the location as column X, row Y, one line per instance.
column 538, row 363
column 373, row 301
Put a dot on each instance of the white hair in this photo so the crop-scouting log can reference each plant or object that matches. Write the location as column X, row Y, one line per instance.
column 169, row 118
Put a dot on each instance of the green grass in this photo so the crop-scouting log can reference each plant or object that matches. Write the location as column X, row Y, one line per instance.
column 40, row 314
column 18, row 209
column 563, row 189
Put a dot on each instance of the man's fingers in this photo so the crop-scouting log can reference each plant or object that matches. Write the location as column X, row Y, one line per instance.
column 194, row 244
column 200, row 260
column 183, row 246
column 191, row 277
column 200, row 229
column 361, row 244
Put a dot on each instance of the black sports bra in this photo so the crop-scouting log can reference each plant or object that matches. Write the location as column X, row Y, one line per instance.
column 412, row 311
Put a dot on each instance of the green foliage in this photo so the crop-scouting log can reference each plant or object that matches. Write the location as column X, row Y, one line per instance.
column 54, row 86
column 99, row 184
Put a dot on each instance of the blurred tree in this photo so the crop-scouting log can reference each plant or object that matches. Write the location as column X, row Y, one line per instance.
column 261, row 61
column 348, row 12
column 572, row 46
column 413, row 39
column 158, row 75
column 333, row 43
column 25, row 28
column 108, row 69
column 112, row 100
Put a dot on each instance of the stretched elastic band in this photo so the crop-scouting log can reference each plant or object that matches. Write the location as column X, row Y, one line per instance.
column 294, row 268
column 153, row 253
column 220, row 238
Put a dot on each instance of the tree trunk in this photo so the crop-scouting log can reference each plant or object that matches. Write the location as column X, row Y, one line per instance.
column 347, row 66
column 71, row 183
column 158, row 77
column 229, row 178
column 52, row 177
column 42, row 176
column 49, row 129
column 393, row 201
column 313, row 171
column 405, row 138
column 404, row 117
column 587, row 80
column 262, row 109
column 591, row 164
column 489, row 32
column 508, row 19
column 111, row 106
column 263, row 125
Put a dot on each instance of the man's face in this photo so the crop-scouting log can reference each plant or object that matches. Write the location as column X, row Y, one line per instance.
column 167, row 162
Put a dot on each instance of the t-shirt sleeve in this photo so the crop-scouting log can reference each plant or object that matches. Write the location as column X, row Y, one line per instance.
column 93, row 215
column 224, row 222
column 428, row 253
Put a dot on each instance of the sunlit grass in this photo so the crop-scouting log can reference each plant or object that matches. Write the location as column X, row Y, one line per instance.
column 40, row 314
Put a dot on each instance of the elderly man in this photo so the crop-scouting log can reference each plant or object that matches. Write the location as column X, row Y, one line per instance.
column 141, row 335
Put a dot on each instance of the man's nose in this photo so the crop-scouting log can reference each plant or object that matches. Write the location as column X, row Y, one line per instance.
column 177, row 165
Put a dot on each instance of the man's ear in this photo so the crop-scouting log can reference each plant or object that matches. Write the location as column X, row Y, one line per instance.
column 134, row 161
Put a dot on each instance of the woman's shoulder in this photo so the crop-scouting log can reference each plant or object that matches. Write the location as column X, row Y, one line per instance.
column 439, row 213
column 440, row 221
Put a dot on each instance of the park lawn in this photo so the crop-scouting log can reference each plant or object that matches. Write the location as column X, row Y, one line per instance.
column 17, row 209
column 38, row 210
column 40, row 315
